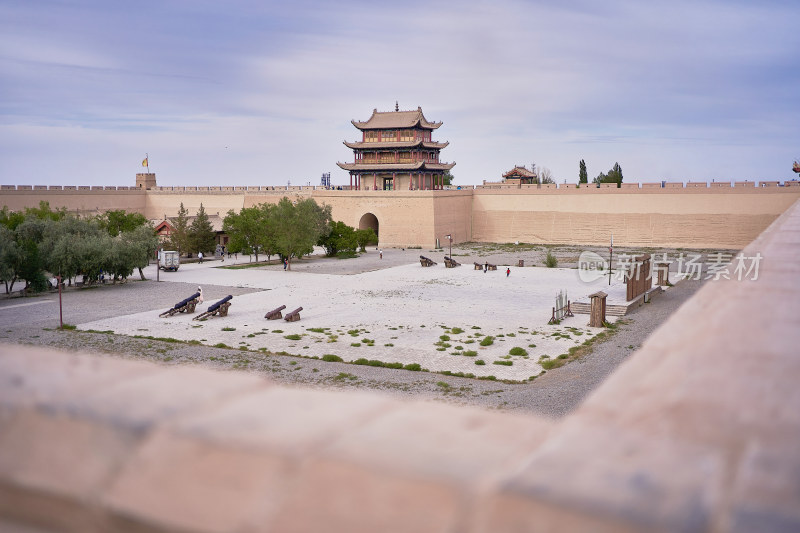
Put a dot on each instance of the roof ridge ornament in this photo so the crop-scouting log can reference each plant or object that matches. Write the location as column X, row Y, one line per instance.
column 396, row 106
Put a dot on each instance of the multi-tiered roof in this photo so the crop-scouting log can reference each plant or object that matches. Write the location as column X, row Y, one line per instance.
column 396, row 151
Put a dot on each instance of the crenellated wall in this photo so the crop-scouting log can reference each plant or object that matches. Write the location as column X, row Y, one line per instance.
column 695, row 215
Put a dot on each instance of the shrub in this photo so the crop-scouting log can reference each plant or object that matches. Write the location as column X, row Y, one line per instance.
column 504, row 363
column 332, row 358
column 293, row 337
column 415, row 367
column 456, row 331
column 221, row 345
column 516, row 350
column 480, row 362
column 444, row 337
column 228, row 329
column 355, row 344
column 488, row 340
column 550, row 261
column 470, row 353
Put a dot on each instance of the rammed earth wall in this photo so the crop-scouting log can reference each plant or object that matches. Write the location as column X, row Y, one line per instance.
column 673, row 216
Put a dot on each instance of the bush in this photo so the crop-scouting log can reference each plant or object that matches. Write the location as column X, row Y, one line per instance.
column 487, row 341
column 415, row 367
column 470, row 353
column 292, row 337
column 456, row 331
column 516, row 350
column 503, row 363
column 444, row 338
column 480, row 362
column 550, row 261
column 332, row 358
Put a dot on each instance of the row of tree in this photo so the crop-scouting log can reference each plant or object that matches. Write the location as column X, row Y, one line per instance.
column 291, row 230
column 40, row 242
column 612, row 176
column 194, row 237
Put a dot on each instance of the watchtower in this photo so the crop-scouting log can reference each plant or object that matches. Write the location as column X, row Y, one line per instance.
column 146, row 180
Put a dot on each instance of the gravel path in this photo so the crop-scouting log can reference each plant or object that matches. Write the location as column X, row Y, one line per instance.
column 34, row 320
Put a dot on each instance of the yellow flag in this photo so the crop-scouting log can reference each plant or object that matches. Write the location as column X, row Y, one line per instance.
column 144, row 162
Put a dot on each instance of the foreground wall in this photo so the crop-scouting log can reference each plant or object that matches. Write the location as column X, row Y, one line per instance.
column 695, row 432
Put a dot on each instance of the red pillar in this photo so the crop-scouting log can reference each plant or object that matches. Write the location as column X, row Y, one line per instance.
column 351, row 180
column 374, row 182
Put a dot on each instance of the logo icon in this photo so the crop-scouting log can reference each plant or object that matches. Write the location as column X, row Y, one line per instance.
column 591, row 266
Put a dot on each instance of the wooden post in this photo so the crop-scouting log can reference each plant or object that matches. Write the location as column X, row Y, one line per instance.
column 663, row 273
column 597, row 313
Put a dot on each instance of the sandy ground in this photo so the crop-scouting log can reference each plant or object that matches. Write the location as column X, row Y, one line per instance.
column 369, row 297
column 436, row 317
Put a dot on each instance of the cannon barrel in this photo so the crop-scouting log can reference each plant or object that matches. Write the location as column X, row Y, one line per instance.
column 186, row 301
column 295, row 311
column 216, row 305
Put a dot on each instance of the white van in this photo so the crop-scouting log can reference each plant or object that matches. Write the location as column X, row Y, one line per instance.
column 169, row 261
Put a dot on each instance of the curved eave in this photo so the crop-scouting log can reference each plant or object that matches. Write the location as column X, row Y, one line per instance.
column 359, row 145
column 418, row 124
column 387, row 167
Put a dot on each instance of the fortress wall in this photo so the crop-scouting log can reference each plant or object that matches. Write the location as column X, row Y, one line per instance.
column 453, row 216
column 75, row 200
column 405, row 218
column 688, row 218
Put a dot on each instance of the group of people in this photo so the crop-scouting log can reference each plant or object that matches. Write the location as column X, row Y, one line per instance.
column 486, row 269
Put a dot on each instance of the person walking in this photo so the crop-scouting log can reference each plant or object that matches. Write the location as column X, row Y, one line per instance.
column 200, row 255
column 508, row 272
column 486, row 267
column 285, row 263
column 381, row 253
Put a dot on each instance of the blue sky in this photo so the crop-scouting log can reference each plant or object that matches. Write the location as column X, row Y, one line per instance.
column 262, row 93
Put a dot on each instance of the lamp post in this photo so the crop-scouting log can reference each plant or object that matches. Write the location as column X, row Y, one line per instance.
column 450, row 239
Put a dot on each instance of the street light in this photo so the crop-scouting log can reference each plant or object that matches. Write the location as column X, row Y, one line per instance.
column 450, row 238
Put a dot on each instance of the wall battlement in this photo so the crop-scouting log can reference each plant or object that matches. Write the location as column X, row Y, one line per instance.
column 672, row 214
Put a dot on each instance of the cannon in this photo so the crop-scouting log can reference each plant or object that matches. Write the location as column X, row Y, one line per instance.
column 294, row 316
column 186, row 305
column 275, row 314
column 450, row 262
column 424, row 261
column 220, row 308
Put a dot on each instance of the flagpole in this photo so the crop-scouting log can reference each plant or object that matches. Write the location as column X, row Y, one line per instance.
column 147, row 158
column 610, row 258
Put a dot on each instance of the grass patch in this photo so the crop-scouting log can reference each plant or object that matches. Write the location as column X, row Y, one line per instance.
column 69, row 326
column 470, row 353
column 444, row 337
column 487, row 341
column 221, row 345
column 456, row 331
column 503, row 363
column 355, row 344
column 332, row 358
column 277, row 331
column 293, row 337
column 516, row 350
column 317, row 330
column 414, row 367
column 480, row 362
column 228, row 329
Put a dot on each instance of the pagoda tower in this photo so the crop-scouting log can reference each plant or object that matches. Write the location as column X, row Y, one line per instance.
column 396, row 152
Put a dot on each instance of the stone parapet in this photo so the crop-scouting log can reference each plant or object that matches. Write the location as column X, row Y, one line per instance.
column 696, row 431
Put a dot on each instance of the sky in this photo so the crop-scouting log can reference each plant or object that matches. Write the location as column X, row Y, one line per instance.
column 263, row 92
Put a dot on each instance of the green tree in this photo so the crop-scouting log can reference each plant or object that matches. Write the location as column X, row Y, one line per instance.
column 299, row 226
column 248, row 230
column 118, row 221
column 364, row 237
column 9, row 258
column 30, row 265
column 179, row 239
column 202, row 237
column 448, row 178
column 341, row 238
column 614, row 176
column 583, row 177
column 142, row 243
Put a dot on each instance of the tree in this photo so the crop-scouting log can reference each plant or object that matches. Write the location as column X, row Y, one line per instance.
column 202, row 236
column 179, row 239
column 447, row 178
column 583, row 177
column 142, row 243
column 250, row 230
column 614, row 176
column 340, row 239
column 545, row 176
column 364, row 237
column 9, row 258
column 118, row 221
column 299, row 226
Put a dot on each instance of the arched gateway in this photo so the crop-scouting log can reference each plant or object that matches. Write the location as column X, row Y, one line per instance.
column 369, row 221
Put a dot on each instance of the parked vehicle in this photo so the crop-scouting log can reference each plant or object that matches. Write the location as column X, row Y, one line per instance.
column 169, row 260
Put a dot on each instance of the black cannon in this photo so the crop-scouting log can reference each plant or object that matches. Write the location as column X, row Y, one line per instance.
column 220, row 308
column 294, row 316
column 275, row 314
column 184, row 306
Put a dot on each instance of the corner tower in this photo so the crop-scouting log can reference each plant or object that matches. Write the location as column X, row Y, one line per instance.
column 396, row 152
